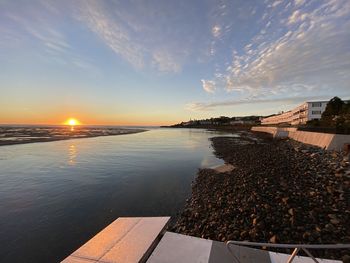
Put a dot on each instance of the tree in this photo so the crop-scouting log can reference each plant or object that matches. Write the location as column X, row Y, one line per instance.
column 333, row 110
column 343, row 121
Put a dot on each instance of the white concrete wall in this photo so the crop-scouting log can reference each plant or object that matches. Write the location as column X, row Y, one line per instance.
column 323, row 140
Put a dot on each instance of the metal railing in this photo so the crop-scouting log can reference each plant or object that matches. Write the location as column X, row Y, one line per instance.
column 296, row 247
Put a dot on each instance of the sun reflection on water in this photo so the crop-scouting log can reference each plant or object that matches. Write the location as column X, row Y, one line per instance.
column 72, row 154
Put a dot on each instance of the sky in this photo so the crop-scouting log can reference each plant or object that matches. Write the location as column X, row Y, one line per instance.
column 151, row 62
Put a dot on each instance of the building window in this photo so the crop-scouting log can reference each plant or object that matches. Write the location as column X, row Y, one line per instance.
column 316, row 112
column 316, row 104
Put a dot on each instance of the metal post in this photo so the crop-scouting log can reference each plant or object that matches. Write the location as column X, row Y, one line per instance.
column 292, row 256
column 310, row 255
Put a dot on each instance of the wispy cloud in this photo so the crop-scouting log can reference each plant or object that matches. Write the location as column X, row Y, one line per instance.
column 165, row 62
column 141, row 43
column 299, row 2
column 114, row 34
column 207, row 106
column 297, row 17
column 36, row 29
column 216, row 30
column 276, row 3
column 52, row 39
column 209, row 86
column 314, row 51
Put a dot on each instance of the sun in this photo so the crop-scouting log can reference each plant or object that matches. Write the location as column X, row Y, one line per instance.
column 72, row 122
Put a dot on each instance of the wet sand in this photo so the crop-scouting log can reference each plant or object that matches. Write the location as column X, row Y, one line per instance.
column 20, row 135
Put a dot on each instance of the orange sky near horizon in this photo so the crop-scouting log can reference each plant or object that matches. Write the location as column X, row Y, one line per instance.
column 86, row 119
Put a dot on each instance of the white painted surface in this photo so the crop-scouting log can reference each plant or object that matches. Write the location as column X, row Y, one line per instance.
column 176, row 248
column 125, row 240
column 283, row 258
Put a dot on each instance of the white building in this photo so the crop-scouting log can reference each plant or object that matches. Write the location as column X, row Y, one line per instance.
column 299, row 115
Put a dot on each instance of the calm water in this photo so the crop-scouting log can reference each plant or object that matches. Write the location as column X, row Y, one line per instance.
column 56, row 195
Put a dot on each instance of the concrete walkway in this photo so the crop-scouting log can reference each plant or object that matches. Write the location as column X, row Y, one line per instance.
column 127, row 240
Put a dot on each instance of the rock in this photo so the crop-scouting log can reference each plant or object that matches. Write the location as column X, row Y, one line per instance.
column 285, row 199
column 312, row 193
column 346, row 259
column 273, row 239
column 243, row 234
column 306, row 235
column 332, row 216
column 236, row 234
column 291, row 211
column 330, row 227
column 254, row 221
column 335, row 221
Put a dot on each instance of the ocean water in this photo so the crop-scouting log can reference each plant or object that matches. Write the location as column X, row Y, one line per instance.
column 54, row 196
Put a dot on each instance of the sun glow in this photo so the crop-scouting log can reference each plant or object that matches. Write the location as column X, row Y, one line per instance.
column 72, row 122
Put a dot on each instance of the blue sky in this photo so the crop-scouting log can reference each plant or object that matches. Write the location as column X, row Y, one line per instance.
column 159, row 62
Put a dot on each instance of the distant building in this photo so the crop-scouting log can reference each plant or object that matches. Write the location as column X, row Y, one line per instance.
column 242, row 122
column 299, row 115
column 205, row 122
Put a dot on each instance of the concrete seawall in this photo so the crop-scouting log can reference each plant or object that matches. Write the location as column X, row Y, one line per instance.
column 324, row 140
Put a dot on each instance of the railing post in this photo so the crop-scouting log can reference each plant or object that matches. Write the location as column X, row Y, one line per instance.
column 309, row 254
column 292, row 256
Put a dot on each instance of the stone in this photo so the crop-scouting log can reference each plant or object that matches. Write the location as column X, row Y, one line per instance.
column 291, row 211
column 335, row 221
column 273, row 239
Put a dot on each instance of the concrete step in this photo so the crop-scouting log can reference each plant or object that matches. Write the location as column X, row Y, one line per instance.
column 126, row 240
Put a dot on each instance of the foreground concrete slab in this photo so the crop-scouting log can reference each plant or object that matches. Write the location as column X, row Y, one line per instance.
column 249, row 255
column 127, row 240
column 175, row 248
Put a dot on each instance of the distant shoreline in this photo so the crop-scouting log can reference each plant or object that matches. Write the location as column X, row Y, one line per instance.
column 70, row 136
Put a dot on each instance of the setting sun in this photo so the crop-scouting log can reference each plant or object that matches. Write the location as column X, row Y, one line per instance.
column 72, row 122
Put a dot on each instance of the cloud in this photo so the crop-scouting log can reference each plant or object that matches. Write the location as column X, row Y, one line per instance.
column 276, row 3
column 208, row 86
column 36, row 28
column 141, row 34
column 114, row 34
column 314, row 52
column 216, row 31
column 299, row 2
column 207, row 106
column 164, row 62
column 296, row 17
column 53, row 40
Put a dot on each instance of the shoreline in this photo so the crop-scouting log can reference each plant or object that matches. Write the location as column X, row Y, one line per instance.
column 280, row 191
column 71, row 137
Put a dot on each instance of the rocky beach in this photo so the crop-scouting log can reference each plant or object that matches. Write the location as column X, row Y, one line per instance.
column 279, row 191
